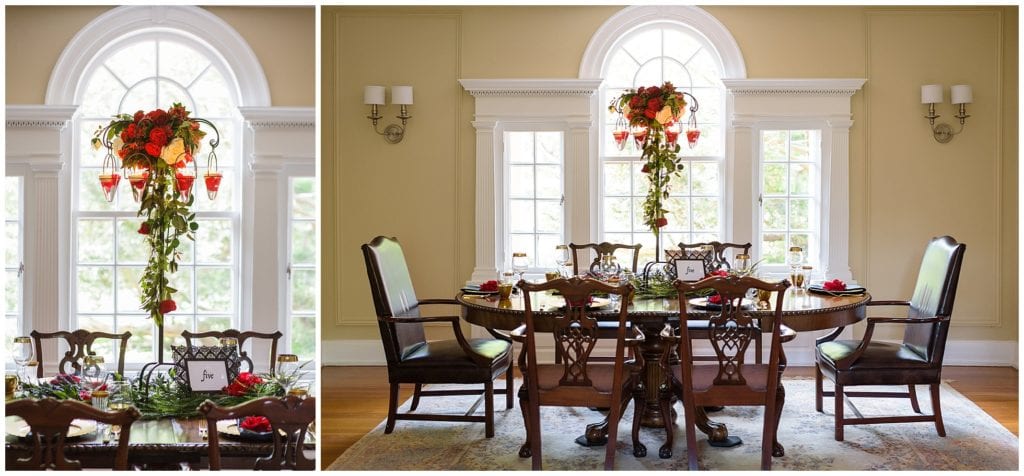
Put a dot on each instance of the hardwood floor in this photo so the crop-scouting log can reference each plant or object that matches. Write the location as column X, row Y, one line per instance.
column 355, row 399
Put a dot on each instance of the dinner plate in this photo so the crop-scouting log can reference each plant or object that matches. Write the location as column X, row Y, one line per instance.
column 16, row 426
column 597, row 303
column 849, row 291
column 702, row 303
column 477, row 292
column 231, row 428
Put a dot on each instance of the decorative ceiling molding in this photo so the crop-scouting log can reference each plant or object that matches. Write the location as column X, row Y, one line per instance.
column 39, row 116
column 530, row 87
column 794, row 87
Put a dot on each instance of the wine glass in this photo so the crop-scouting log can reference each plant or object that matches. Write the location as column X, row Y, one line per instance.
column 562, row 258
column 22, row 354
column 794, row 258
column 520, row 263
column 94, row 371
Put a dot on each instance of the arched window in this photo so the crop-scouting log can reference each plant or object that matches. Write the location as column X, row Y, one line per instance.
column 146, row 70
column 649, row 56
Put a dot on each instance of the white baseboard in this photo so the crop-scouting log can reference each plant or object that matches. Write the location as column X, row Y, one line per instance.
column 799, row 354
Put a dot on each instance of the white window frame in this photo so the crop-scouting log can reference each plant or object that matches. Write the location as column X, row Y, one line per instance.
column 234, row 215
column 505, row 249
column 288, row 178
column 817, row 193
column 19, row 266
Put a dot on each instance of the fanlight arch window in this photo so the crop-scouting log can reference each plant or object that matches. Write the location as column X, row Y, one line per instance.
column 148, row 70
column 649, row 56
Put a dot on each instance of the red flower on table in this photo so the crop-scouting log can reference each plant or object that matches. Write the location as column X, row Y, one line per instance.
column 62, row 379
column 489, row 286
column 242, row 384
column 259, row 424
column 715, row 299
column 834, row 285
column 719, row 272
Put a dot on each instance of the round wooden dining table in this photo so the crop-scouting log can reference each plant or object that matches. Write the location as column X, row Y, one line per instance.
column 802, row 311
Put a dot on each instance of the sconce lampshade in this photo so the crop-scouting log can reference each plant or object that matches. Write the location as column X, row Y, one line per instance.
column 401, row 95
column 931, row 94
column 373, row 95
column 962, row 94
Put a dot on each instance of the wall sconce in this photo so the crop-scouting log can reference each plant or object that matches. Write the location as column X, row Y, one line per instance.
column 961, row 96
column 401, row 95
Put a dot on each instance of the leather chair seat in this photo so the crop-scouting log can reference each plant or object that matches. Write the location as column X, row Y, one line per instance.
column 704, row 376
column 448, row 353
column 879, row 355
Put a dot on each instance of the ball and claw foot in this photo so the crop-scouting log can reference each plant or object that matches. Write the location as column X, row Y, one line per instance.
column 665, row 452
column 639, row 451
column 524, row 451
column 777, row 450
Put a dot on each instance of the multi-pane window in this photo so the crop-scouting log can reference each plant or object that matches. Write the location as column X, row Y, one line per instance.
column 302, row 267
column 649, row 57
column 109, row 255
column 13, row 259
column 790, row 194
column 535, row 219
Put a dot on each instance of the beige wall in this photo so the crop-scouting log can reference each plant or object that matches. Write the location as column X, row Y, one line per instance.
column 283, row 38
column 905, row 187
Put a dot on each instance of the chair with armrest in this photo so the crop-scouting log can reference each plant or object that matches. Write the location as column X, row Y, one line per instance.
column 80, row 344
column 576, row 382
column 241, row 337
column 290, row 415
column 917, row 360
column 49, row 421
column 730, row 380
column 413, row 359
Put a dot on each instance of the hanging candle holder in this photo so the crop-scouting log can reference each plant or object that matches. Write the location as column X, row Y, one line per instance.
column 692, row 132
column 672, row 131
column 640, row 134
column 109, row 178
column 184, row 182
column 212, row 177
column 138, row 179
column 621, row 132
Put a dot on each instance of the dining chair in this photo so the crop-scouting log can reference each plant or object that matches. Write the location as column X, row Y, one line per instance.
column 698, row 328
column 241, row 337
column 576, row 382
column 49, row 421
column 413, row 359
column 730, row 380
column 602, row 249
column 81, row 343
column 917, row 360
column 289, row 418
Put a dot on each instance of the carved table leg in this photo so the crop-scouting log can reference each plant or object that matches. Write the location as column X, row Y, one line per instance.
column 778, row 450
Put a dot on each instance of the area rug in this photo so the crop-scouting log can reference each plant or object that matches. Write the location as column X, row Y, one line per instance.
column 974, row 441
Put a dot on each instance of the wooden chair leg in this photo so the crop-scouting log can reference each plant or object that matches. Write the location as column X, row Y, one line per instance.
column 524, row 407
column 691, row 435
column 510, row 387
column 937, row 410
column 913, row 398
column 489, row 409
column 839, row 412
column 613, row 436
column 392, row 409
column 757, row 349
column 534, row 436
column 416, row 397
column 768, row 436
column 818, row 391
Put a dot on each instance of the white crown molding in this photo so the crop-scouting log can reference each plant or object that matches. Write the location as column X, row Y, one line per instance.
column 279, row 117
column 195, row 22
column 531, row 87
column 39, row 116
column 794, row 87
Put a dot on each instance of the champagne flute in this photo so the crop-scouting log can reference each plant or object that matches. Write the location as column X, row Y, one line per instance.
column 22, row 354
column 562, row 258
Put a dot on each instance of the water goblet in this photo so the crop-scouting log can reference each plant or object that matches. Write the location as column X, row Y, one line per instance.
column 520, row 263
column 562, row 258
column 23, row 353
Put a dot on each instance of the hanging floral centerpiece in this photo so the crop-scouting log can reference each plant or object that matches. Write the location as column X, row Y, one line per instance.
column 156, row 150
column 652, row 116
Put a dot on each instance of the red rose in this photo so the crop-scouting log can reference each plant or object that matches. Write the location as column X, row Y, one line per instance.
column 84, row 396
column 159, row 117
column 650, row 113
column 242, row 384
column 167, row 305
column 661, row 222
column 646, row 169
column 138, row 116
column 158, row 136
column 834, row 285
column 489, row 286
column 144, row 228
column 259, row 424
column 654, row 103
column 128, row 134
column 153, row 149
column 634, row 102
column 719, row 272
column 654, row 91
column 715, row 299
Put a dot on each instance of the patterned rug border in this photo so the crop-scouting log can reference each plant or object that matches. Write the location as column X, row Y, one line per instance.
column 869, row 447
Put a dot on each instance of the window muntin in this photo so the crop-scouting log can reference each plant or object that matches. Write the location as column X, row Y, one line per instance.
column 651, row 56
column 148, row 72
column 790, row 194
column 14, row 246
column 302, row 267
column 535, row 187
